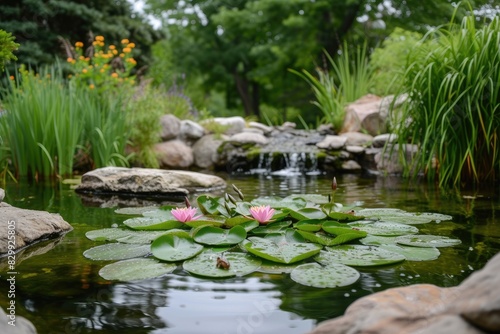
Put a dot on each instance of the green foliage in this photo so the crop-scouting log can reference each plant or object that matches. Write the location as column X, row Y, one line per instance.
column 388, row 61
column 47, row 120
column 348, row 81
column 7, row 46
column 453, row 82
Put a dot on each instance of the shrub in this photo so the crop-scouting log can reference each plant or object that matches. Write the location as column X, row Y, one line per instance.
column 7, row 46
column 453, row 81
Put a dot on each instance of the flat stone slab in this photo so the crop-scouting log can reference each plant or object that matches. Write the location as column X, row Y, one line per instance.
column 27, row 227
column 147, row 182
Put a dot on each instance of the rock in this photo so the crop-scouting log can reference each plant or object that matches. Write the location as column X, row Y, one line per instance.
column 357, row 138
column 388, row 160
column 170, row 127
column 248, row 138
column 264, row 128
column 381, row 140
column 325, row 129
column 147, row 181
column 332, row 142
column 470, row 307
column 29, row 226
column 351, row 165
column 205, row 151
column 2, row 195
column 23, row 325
column 233, row 125
column 253, row 130
column 354, row 149
column 367, row 113
column 174, row 154
column 191, row 130
column 287, row 126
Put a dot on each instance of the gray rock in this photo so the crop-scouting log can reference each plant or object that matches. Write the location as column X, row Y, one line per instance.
column 22, row 325
column 388, row 160
column 357, row 138
column 368, row 113
column 248, row 138
column 233, row 125
column 253, row 130
column 351, row 165
column 171, row 127
column 191, row 130
column 29, row 226
column 174, row 154
column 264, row 128
column 147, row 181
column 354, row 149
column 381, row 140
column 205, row 151
column 2, row 195
column 469, row 308
column 332, row 142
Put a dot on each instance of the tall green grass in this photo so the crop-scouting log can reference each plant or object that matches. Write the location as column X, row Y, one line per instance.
column 453, row 81
column 348, row 80
column 46, row 120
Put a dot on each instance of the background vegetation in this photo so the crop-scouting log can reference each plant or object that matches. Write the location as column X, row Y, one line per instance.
column 222, row 58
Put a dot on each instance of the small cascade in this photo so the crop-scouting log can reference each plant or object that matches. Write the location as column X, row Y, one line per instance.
column 286, row 164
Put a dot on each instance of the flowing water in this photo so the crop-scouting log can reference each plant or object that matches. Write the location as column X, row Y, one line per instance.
column 60, row 291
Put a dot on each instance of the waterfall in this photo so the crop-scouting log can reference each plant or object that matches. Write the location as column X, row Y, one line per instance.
column 286, row 164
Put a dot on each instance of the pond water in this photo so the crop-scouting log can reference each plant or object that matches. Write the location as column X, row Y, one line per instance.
column 60, row 291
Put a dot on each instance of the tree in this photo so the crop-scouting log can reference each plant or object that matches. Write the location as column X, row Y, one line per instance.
column 40, row 25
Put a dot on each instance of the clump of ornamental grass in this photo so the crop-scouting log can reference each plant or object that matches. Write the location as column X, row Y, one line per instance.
column 453, row 81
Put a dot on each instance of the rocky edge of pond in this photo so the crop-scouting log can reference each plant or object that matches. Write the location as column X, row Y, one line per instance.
column 473, row 307
column 231, row 144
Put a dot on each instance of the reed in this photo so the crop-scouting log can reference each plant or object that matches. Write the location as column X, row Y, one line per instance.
column 453, row 80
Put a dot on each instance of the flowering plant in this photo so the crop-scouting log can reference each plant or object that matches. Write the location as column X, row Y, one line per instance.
column 185, row 214
column 263, row 213
column 103, row 67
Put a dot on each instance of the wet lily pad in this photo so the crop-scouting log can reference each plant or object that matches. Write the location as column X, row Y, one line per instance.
column 238, row 220
column 135, row 269
column 209, row 205
column 117, row 251
column 329, row 276
column 427, row 241
column 123, row 235
column 358, row 255
column 281, row 203
column 282, row 252
column 205, row 264
column 309, row 225
column 377, row 240
column 307, row 213
column 270, row 267
column 326, row 240
column 152, row 223
column 400, row 216
column 385, row 229
column 414, row 253
column 330, row 209
column 173, row 248
column 209, row 235
column 273, row 227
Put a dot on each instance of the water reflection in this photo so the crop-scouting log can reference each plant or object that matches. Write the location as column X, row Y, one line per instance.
column 61, row 292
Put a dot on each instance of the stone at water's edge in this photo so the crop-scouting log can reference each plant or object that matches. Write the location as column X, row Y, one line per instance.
column 22, row 325
column 2, row 194
column 147, row 181
column 472, row 307
column 29, row 226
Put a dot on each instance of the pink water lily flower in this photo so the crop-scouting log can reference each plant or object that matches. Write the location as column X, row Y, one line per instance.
column 262, row 214
column 185, row 214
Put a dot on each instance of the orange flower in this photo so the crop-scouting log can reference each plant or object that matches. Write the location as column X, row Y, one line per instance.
column 125, row 41
column 91, row 86
column 69, row 60
column 84, row 70
column 11, row 77
column 112, row 47
column 99, row 38
column 79, row 44
column 127, row 50
column 131, row 45
column 114, row 75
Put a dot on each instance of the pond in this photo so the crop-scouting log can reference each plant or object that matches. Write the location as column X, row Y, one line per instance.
column 60, row 291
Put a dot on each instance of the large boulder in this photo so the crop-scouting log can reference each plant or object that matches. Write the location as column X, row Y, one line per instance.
column 472, row 307
column 368, row 113
column 2, row 195
column 28, row 227
column 170, row 127
column 191, row 130
column 174, row 154
column 232, row 125
column 205, row 151
column 147, row 182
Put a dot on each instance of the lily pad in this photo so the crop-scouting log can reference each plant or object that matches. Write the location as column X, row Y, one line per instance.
column 209, row 205
column 310, row 225
column 237, row 220
column 273, row 227
column 330, row 210
column 210, row 235
column 116, row 251
column 377, row 240
column 326, row 240
column 135, row 211
column 135, row 269
column 282, row 252
column 400, row 216
column 123, row 235
column 152, row 223
column 330, row 276
column 270, row 267
column 414, row 253
column 205, row 264
column 427, row 241
column 173, row 248
column 358, row 255
column 281, row 203
column 307, row 213
column 209, row 220
column 385, row 229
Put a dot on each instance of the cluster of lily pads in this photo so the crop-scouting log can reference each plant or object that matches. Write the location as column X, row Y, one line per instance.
column 316, row 241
